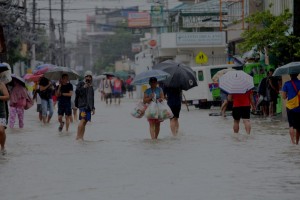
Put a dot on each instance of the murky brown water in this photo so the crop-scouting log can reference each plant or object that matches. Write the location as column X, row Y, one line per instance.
column 119, row 161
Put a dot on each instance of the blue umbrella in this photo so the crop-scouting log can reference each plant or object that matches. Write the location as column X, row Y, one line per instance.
column 143, row 78
column 290, row 68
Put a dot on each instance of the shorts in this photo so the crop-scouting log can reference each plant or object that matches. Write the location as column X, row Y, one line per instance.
column 3, row 122
column 85, row 114
column 39, row 108
column 293, row 119
column 130, row 88
column 108, row 95
column 64, row 110
column 241, row 112
column 175, row 110
column 117, row 94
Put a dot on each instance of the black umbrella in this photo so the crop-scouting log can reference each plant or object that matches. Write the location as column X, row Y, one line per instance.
column 181, row 76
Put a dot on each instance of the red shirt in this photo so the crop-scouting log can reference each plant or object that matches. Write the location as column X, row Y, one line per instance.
column 242, row 99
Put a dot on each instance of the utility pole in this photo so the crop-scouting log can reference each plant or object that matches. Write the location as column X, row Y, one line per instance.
column 62, row 35
column 51, row 35
column 32, row 63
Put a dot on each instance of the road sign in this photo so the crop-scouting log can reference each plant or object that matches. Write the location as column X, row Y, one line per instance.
column 201, row 58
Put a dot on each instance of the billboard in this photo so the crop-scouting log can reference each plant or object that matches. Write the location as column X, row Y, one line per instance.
column 139, row 19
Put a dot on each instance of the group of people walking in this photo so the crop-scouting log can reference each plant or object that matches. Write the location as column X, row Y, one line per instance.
column 115, row 88
column 83, row 100
column 17, row 95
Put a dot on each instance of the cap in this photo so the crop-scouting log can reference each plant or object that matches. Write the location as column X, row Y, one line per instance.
column 88, row 73
column 152, row 79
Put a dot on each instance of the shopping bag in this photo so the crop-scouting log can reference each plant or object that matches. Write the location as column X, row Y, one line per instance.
column 139, row 110
column 152, row 111
column 164, row 111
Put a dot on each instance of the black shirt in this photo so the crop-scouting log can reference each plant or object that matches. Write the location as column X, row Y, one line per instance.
column 65, row 89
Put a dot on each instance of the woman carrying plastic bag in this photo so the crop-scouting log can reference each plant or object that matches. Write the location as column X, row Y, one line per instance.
column 139, row 110
column 153, row 95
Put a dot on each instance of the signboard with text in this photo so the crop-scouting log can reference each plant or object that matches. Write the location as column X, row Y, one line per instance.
column 201, row 38
column 139, row 19
column 200, row 21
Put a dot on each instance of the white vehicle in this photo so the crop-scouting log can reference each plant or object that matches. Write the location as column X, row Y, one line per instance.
column 206, row 93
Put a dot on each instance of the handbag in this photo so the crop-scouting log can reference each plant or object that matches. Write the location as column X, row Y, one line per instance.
column 29, row 102
column 294, row 102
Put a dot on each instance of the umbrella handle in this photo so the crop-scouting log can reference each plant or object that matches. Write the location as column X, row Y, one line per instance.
column 186, row 102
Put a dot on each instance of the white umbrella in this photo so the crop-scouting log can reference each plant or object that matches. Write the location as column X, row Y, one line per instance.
column 236, row 82
column 56, row 73
column 220, row 73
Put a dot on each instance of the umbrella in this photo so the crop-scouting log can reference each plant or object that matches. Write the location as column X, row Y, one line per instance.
column 3, row 67
column 108, row 73
column 236, row 82
column 143, row 78
column 56, row 73
column 41, row 69
column 121, row 74
column 99, row 77
column 220, row 73
column 20, row 80
column 32, row 77
column 181, row 76
column 290, row 68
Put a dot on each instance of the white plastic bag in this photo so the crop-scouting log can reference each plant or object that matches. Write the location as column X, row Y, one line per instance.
column 139, row 110
column 152, row 111
column 164, row 111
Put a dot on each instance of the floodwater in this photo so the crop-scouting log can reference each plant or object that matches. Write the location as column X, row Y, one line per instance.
column 119, row 161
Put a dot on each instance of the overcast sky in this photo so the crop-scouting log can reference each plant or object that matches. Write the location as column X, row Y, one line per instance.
column 76, row 19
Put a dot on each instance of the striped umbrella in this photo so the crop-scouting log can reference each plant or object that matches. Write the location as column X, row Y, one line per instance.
column 236, row 82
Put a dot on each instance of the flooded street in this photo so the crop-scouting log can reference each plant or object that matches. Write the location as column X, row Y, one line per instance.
column 119, row 161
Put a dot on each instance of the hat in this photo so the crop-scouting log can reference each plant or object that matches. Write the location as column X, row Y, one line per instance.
column 152, row 79
column 88, row 73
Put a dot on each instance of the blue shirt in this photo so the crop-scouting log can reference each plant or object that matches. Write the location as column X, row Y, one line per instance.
column 157, row 91
column 290, row 90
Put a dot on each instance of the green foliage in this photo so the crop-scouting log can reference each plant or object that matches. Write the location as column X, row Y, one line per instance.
column 271, row 32
column 14, row 52
column 113, row 48
column 265, row 29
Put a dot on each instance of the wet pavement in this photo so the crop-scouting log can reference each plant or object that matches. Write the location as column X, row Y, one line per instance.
column 119, row 161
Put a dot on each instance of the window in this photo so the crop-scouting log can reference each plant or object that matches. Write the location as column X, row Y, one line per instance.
column 200, row 76
column 215, row 70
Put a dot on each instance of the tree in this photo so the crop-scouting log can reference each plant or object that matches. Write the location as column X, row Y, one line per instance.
column 270, row 33
column 113, row 48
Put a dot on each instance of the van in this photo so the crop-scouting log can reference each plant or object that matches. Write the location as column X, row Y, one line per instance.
column 207, row 93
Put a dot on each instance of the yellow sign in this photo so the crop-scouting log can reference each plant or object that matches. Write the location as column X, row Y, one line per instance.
column 201, row 58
